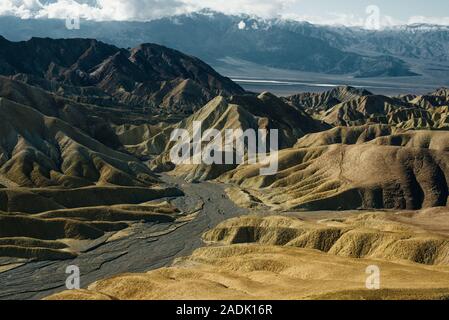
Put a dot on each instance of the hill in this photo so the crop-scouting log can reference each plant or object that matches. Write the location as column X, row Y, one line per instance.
column 149, row 75
column 265, row 112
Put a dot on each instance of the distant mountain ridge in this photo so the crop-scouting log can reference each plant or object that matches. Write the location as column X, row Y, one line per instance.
column 213, row 36
column 149, row 75
column 349, row 106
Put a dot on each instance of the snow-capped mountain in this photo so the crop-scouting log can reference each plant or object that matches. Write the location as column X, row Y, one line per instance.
column 278, row 43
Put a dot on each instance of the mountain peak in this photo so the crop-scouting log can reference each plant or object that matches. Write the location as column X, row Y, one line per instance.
column 352, row 90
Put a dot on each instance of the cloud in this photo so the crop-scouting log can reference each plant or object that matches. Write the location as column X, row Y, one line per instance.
column 345, row 19
column 142, row 10
column 328, row 19
column 136, row 9
column 262, row 8
column 93, row 9
column 20, row 8
column 429, row 20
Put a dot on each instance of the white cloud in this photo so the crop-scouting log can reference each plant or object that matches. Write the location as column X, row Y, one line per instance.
column 152, row 9
column 328, row 19
column 344, row 19
column 429, row 20
column 262, row 8
column 93, row 10
column 21, row 8
column 136, row 9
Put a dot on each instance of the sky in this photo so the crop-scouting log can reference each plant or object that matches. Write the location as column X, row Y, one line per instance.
column 341, row 12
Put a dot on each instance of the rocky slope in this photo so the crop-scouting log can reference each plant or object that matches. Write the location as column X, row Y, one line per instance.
column 265, row 112
column 40, row 151
column 346, row 106
column 347, row 169
column 315, row 103
column 149, row 75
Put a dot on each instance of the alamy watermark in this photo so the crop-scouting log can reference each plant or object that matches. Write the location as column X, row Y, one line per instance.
column 375, row 20
column 232, row 147
column 73, row 22
column 372, row 21
column 73, row 280
column 373, row 280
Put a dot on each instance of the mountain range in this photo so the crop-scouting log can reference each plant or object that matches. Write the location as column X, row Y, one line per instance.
column 86, row 180
column 285, row 44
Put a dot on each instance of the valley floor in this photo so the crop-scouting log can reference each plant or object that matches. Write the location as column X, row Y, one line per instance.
column 146, row 247
column 257, row 78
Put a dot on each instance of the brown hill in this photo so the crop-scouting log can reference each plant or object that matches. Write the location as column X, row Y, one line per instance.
column 384, row 110
column 238, row 112
column 347, row 106
column 346, row 135
column 92, row 120
column 61, row 234
column 316, row 103
column 37, row 150
column 404, row 171
column 375, row 236
column 147, row 76
column 379, row 135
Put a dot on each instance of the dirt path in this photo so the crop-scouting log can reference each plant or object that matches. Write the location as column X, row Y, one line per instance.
column 149, row 247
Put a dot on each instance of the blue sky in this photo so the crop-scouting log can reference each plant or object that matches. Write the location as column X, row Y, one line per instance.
column 399, row 9
column 353, row 11
column 346, row 12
